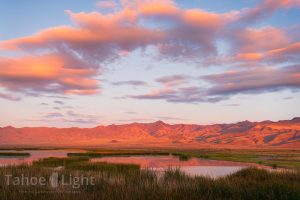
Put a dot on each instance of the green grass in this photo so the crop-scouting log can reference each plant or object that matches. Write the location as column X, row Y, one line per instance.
column 120, row 153
column 83, row 164
column 246, row 184
column 57, row 162
column 281, row 158
column 14, row 154
column 182, row 156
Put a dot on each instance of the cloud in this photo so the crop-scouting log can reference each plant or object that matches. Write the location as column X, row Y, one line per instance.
column 9, row 97
column 255, row 80
column 130, row 112
column 106, row 4
column 170, row 118
column 134, row 120
column 53, row 115
column 288, row 98
column 132, row 83
column 50, row 73
column 191, row 33
column 252, row 47
column 175, row 80
column 232, row 104
column 182, row 95
column 251, row 40
column 82, row 121
column 265, row 9
column 59, row 102
column 71, row 113
column 95, row 37
column 158, row 8
column 67, row 59
column 99, row 38
column 287, row 53
column 68, row 117
column 74, row 54
column 224, row 85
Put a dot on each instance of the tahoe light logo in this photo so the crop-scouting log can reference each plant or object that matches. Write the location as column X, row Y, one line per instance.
column 55, row 180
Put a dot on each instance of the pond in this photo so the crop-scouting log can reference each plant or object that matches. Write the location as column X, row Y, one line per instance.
column 192, row 166
column 34, row 155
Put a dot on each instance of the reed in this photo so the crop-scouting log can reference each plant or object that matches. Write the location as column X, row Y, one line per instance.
column 121, row 153
column 126, row 183
column 14, row 154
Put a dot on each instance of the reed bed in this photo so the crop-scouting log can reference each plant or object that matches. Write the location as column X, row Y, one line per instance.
column 122, row 181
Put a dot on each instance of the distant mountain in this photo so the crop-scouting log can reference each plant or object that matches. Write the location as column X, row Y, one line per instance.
column 285, row 134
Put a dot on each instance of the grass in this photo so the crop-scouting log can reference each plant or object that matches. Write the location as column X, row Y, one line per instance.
column 119, row 153
column 281, row 158
column 127, row 181
column 182, row 156
column 57, row 162
column 83, row 164
column 114, row 181
column 13, row 154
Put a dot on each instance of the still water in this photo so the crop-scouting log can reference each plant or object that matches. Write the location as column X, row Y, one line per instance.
column 193, row 166
column 34, row 155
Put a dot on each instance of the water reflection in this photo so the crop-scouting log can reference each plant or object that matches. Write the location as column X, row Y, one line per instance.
column 193, row 166
column 34, row 155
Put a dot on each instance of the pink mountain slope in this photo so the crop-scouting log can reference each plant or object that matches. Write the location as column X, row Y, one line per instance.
column 283, row 134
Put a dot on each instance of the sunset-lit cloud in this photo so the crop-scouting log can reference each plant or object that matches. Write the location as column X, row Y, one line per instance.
column 132, row 83
column 107, row 4
column 124, row 52
column 78, row 52
column 51, row 73
column 266, row 8
column 223, row 85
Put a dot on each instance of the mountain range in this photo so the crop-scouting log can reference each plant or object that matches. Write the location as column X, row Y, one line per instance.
column 245, row 134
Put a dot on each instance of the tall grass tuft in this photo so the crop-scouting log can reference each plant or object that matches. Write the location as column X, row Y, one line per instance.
column 126, row 182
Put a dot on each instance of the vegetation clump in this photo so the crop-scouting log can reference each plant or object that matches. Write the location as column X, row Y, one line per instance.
column 14, row 154
column 122, row 181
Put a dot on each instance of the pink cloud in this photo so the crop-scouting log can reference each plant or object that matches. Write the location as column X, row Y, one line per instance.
column 9, row 97
column 290, row 52
column 158, row 8
column 224, row 85
column 257, row 40
column 107, row 4
column 171, row 81
column 75, row 54
column 266, row 8
column 284, row 53
column 47, row 73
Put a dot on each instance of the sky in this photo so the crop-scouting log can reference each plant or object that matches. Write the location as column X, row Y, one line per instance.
column 84, row 63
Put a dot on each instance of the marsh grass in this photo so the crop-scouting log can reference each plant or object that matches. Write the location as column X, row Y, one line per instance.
column 247, row 184
column 57, row 162
column 83, row 164
column 121, row 153
column 14, row 154
column 126, row 181
column 182, row 156
column 281, row 158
